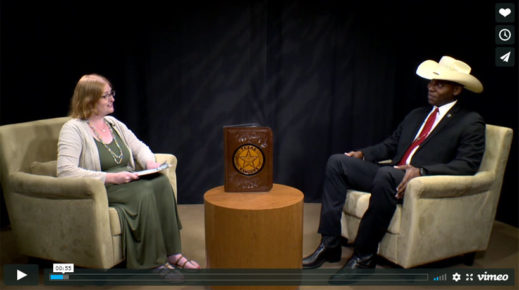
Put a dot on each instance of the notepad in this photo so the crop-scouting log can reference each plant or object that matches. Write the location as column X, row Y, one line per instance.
column 154, row 170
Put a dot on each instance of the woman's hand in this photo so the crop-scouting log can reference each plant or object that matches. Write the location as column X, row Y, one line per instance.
column 120, row 177
column 152, row 164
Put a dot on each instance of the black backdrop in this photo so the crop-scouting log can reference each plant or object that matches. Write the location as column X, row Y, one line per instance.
column 326, row 76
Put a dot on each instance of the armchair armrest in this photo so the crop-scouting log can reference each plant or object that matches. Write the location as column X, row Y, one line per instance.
column 444, row 216
column 441, row 186
column 166, row 157
column 170, row 172
column 63, row 219
column 43, row 186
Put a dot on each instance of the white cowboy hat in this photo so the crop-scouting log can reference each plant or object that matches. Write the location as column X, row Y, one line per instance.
column 450, row 69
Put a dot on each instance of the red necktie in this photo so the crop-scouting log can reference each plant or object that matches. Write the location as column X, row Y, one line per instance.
column 421, row 137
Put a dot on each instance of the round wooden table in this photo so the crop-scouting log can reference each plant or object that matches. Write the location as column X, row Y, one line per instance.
column 254, row 229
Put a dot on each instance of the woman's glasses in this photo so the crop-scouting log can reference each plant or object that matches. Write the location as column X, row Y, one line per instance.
column 110, row 94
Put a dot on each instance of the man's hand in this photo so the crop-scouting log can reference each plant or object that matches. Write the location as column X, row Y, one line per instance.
column 355, row 154
column 410, row 173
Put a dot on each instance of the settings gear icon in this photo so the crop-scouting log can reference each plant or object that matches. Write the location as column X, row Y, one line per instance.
column 456, row 277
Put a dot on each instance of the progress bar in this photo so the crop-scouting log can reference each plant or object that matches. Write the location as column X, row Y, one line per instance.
column 284, row 277
column 58, row 277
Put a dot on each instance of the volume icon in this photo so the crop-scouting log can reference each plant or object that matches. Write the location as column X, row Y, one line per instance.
column 440, row 278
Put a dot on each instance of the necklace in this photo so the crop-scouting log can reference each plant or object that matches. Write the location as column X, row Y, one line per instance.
column 118, row 158
column 102, row 129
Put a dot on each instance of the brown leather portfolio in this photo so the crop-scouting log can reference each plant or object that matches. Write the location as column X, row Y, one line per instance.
column 248, row 158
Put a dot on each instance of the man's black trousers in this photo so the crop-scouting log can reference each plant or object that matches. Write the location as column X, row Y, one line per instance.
column 343, row 173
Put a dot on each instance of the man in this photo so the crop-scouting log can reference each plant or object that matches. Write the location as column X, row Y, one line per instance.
column 444, row 139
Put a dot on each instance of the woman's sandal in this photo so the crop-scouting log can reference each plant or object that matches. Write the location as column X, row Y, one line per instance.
column 165, row 267
column 169, row 273
column 181, row 262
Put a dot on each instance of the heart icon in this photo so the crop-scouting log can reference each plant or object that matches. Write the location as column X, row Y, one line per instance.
column 505, row 12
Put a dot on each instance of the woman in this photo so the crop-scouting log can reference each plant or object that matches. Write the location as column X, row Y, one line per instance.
column 96, row 145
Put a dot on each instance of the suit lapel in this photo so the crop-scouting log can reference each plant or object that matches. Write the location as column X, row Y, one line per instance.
column 445, row 120
column 417, row 125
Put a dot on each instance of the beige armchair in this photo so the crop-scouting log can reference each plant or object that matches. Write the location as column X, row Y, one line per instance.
column 442, row 216
column 58, row 219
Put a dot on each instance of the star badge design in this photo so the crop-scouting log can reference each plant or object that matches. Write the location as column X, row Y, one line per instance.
column 248, row 159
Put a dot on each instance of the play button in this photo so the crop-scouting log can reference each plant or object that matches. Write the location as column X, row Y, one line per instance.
column 21, row 274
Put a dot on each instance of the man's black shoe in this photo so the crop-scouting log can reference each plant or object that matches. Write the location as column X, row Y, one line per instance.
column 361, row 262
column 322, row 254
column 357, row 268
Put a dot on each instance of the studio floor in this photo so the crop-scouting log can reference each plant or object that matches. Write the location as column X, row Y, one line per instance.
column 502, row 252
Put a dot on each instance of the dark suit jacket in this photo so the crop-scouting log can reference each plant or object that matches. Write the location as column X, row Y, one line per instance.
column 454, row 147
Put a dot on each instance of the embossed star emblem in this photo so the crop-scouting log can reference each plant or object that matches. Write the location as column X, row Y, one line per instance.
column 248, row 159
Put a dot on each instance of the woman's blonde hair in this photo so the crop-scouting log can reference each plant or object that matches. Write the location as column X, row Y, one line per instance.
column 89, row 89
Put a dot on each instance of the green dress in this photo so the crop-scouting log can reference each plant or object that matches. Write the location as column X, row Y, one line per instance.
column 147, row 211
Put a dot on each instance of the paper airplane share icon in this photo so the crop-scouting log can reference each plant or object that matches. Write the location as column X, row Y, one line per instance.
column 20, row 275
column 505, row 57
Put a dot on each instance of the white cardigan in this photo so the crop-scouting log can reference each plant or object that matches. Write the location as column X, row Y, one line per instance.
column 78, row 155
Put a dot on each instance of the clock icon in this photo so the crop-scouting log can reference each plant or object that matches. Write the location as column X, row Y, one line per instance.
column 505, row 34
